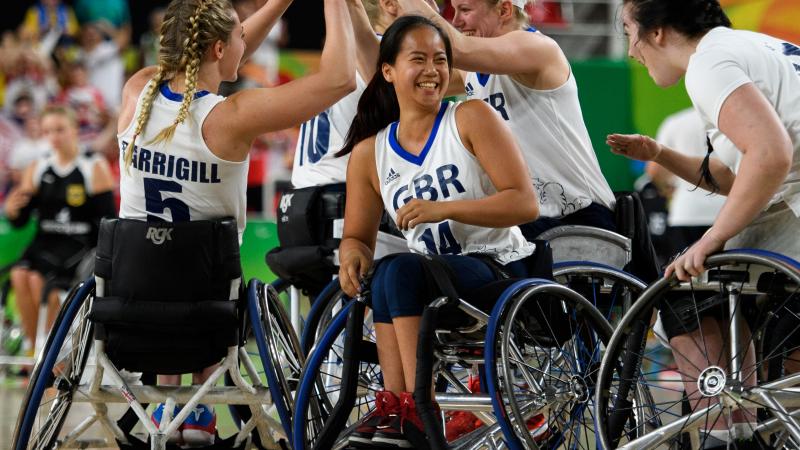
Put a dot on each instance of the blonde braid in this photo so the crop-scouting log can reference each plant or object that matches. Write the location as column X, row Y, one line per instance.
column 191, row 60
column 144, row 115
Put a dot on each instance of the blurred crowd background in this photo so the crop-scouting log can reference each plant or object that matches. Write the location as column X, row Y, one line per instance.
column 79, row 53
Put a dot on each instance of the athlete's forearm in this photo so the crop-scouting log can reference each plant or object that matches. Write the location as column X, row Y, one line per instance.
column 504, row 209
column 258, row 26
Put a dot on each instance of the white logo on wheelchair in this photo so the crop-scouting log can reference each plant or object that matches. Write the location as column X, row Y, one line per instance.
column 286, row 202
column 159, row 235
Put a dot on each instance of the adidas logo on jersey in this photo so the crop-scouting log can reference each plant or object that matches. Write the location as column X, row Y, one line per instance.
column 159, row 235
column 469, row 90
column 392, row 176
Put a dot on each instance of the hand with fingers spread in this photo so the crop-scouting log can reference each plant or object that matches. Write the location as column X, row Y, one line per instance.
column 634, row 146
column 419, row 211
column 355, row 260
column 691, row 262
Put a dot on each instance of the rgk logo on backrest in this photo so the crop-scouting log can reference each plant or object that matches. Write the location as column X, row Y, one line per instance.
column 286, row 202
column 159, row 235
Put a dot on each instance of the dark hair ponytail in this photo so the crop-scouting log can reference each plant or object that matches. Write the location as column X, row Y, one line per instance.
column 378, row 106
column 705, row 170
column 692, row 18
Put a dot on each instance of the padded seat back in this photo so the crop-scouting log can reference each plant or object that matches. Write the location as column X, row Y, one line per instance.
column 167, row 293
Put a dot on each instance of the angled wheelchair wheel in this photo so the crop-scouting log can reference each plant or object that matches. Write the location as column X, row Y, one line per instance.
column 718, row 356
column 49, row 398
column 543, row 351
column 610, row 290
column 278, row 349
column 325, row 394
column 327, row 303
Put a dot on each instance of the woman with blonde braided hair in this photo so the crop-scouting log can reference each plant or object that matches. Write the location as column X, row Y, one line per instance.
column 184, row 149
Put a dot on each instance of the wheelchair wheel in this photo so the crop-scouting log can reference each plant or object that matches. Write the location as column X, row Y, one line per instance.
column 321, row 386
column 57, row 375
column 321, row 311
column 278, row 347
column 746, row 300
column 610, row 290
column 543, row 351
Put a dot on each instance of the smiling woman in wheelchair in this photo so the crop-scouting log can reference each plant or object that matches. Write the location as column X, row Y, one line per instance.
column 452, row 177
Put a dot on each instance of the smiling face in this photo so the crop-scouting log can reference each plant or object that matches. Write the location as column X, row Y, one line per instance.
column 477, row 18
column 420, row 72
column 651, row 49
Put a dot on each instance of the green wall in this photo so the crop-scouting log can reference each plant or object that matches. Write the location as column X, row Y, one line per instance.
column 620, row 97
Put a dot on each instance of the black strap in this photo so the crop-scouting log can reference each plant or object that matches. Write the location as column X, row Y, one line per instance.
column 440, row 275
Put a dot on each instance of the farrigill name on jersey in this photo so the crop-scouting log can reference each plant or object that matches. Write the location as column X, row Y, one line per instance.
column 169, row 166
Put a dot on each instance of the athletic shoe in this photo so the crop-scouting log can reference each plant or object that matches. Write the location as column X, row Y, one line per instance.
column 200, row 428
column 175, row 436
column 386, row 405
column 405, row 431
column 460, row 423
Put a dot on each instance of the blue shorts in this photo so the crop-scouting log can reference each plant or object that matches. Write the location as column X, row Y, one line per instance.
column 399, row 286
column 594, row 215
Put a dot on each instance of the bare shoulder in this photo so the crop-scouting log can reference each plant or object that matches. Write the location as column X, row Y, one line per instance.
column 130, row 95
column 137, row 82
column 364, row 152
column 474, row 113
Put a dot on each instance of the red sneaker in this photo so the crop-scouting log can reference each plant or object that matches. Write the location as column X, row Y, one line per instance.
column 386, row 405
column 460, row 423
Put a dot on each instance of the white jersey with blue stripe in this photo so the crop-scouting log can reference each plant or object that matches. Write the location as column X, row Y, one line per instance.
column 181, row 179
column 315, row 163
column 444, row 171
column 549, row 128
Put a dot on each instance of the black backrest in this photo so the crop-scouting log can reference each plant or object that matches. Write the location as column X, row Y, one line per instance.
column 166, row 301
column 181, row 261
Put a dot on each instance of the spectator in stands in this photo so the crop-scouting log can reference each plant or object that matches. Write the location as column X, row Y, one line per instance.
column 71, row 192
column 30, row 147
column 49, row 16
column 101, row 44
column 149, row 42
column 116, row 13
column 85, row 99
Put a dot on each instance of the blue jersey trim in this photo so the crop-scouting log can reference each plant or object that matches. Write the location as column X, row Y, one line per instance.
column 410, row 157
column 176, row 97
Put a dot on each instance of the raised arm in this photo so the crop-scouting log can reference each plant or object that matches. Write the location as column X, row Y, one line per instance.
column 257, row 26
column 362, row 217
column 367, row 43
column 484, row 133
column 535, row 58
column 252, row 112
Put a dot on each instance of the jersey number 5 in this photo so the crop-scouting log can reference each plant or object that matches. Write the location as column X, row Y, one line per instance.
column 155, row 203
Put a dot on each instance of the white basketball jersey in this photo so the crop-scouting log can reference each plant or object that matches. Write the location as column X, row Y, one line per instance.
column 444, row 171
column 181, row 179
column 315, row 163
column 549, row 128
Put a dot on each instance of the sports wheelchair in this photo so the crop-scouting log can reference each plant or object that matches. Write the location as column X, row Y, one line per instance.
column 744, row 380
column 167, row 298
column 535, row 367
